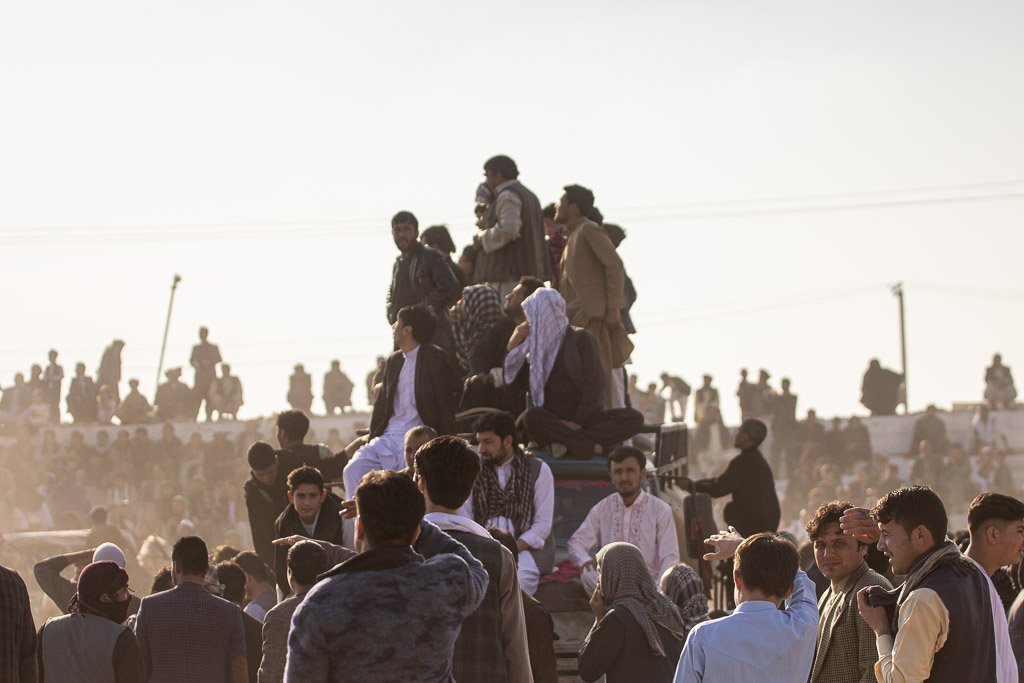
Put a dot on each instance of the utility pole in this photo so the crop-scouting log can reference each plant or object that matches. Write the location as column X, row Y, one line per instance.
column 167, row 327
column 897, row 291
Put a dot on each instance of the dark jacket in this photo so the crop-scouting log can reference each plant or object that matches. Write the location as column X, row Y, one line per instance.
column 438, row 387
column 526, row 255
column 540, row 635
column 575, row 388
column 265, row 503
column 429, row 281
column 328, row 528
column 253, row 645
column 618, row 650
column 755, row 505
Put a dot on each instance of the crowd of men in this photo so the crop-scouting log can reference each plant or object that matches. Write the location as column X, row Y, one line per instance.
column 412, row 554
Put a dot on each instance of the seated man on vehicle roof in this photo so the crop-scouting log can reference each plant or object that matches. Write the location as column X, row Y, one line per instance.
column 566, row 383
column 628, row 515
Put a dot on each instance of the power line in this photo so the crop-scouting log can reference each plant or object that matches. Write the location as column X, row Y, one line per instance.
column 355, row 227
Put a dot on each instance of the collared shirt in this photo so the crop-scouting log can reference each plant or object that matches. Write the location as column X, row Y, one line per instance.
column 647, row 524
column 406, row 415
column 758, row 642
column 513, row 623
column 543, row 506
column 509, row 209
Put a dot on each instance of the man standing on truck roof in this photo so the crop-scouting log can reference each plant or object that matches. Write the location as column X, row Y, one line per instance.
column 628, row 515
column 514, row 492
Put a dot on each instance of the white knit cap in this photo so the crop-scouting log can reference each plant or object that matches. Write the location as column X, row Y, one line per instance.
column 108, row 552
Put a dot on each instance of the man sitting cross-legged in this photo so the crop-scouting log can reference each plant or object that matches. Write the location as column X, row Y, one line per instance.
column 628, row 515
column 567, row 382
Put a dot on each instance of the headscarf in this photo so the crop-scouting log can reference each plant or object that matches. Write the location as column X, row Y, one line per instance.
column 626, row 583
column 480, row 310
column 545, row 311
column 97, row 579
column 686, row 591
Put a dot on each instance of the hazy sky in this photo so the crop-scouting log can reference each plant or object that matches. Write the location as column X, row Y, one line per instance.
column 259, row 149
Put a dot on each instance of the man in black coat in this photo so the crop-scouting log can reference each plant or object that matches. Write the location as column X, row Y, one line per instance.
column 266, row 492
column 420, row 386
column 748, row 477
column 421, row 275
column 312, row 512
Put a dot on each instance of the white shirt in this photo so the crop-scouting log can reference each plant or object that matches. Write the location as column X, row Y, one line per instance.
column 406, row 415
column 310, row 528
column 543, row 506
column 1006, row 662
column 508, row 208
column 647, row 523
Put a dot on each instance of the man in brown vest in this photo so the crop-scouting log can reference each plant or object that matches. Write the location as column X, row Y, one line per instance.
column 510, row 243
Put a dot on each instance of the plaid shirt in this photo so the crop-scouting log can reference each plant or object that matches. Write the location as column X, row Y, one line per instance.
column 846, row 651
column 187, row 634
column 17, row 630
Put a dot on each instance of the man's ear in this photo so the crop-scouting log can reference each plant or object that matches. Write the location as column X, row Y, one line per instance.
column 992, row 534
column 862, row 548
column 360, row 533
column 737, row 580
column 291, row 497
column 323, row 495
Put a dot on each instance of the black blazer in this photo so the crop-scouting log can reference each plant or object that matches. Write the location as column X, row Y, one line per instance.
column 431, row 282
column 438, row 390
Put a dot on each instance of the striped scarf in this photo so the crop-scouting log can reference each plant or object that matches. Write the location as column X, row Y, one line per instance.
column 479, row 311
column 545, row 311
column 626, row 583
column 683, row 586
column 515, row 502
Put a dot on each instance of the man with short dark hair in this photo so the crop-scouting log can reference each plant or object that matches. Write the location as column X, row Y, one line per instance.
column 748, row 478
column 313, row 513
column 492, row 644
column 421, row 275
column 233, row 580
column 845, row 651
column 266, row 491
column 759, row 641
column 628, row 515
column 390, row 613
column 306, row 561
column 510, row 242
column 420, row 386
column 187, row 634
column 942, row 626
column 260, row 595
column 996, row 524
column 18, row 635
column 592, row 281
column 566, row 383
column 514, row 492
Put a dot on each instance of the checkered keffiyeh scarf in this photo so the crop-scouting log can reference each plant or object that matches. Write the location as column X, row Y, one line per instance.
column 686, row 591
column 515, row 502
column 545, row 311
column 479, row 311
column 626, row 583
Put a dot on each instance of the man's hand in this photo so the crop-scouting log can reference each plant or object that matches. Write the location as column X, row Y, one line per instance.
column 724, row 544
column 591, row 564
column 520, row 334
column 289, row 541
column 857, row 522
column 478, row 240
column 597, row 604
column 613, row 317
column 875, row 617
column 81, row 558
column 522, row 545
column 348, row 509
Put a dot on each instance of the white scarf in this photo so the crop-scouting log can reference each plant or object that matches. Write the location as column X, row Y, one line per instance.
column 545, row 311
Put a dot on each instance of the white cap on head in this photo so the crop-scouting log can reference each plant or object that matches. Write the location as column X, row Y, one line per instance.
column 108, row 552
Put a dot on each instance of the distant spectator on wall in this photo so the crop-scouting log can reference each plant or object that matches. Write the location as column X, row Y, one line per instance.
column 300, row 389
column 1000, row 391
column 337, row 390
column 880, row 390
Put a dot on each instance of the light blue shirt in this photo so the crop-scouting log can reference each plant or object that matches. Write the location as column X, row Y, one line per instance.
column 758, row 642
